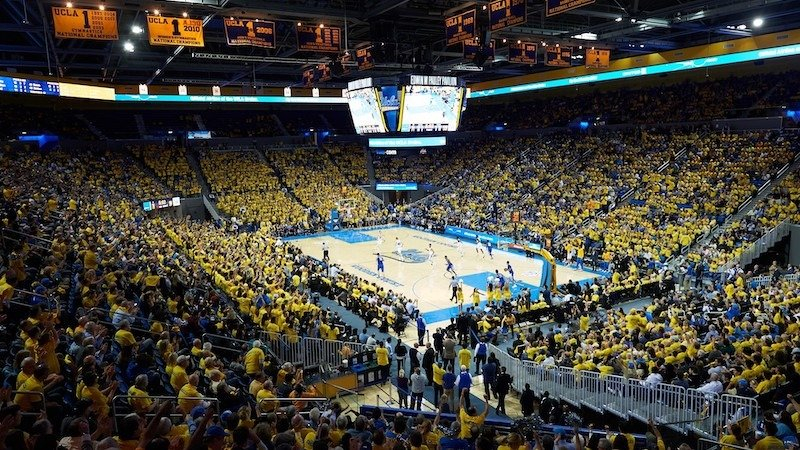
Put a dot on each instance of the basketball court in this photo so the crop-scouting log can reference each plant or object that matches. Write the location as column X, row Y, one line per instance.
column 414, row 276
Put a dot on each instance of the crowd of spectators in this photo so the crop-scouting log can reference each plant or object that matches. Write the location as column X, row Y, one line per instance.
column 320, row 186
column 248, row 189
column 170, row 165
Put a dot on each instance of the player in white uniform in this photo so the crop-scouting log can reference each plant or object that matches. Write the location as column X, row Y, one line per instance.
column 460, row 247
column 398, row 247
column 431, row 253
column 379, row 243
column 479, row 246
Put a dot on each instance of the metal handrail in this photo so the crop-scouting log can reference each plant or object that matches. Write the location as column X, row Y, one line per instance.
column 36, row 393
column 277, row 400
column 173, row 398
column 20, row 233
column 141, row 330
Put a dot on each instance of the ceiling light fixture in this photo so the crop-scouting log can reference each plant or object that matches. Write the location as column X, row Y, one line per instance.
column 156, row 12
column 185, row 14
column 128, row 46
column 102, row 6
column 618, row 19
column 758, row 21
column 69, row 4
column 136, row 29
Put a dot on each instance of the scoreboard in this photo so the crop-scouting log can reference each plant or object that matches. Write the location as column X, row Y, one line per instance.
column 27, row 86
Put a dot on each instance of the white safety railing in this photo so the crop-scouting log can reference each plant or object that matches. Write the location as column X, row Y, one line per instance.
column 682, row 410
column 765, row 280
column 310, row 352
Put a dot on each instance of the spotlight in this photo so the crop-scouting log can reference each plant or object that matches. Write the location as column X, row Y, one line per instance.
column 322, row 25
column 757, row 22
column 633, row 20
column 505, row 40
column 484, row 7
column 580, row 47
column 299, row 24
column 102, row 6
column 618, row 19
column 519, row 41
column 128, row 46
column 69, row 4
column 136, row 29
column 185, row 14
column 156, row 12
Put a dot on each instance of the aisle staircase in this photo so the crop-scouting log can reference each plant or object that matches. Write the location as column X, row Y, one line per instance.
column 91, row 127
column 201, row 125
column 281, row 179
column 280, row 124
column 140, row 126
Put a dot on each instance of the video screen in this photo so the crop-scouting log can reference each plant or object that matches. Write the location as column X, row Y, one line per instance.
column 431, row 108
column 365, row 110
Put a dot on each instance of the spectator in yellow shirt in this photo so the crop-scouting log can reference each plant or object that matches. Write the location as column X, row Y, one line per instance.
column 179, row 377
column 254, row 359
column 139, row 399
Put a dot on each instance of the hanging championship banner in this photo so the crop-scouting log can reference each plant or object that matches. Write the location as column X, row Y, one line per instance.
column 308, row 77
column 472, row 48
column 364, row 58
column 460, row 28
column 323, row 72
column 257, row 33
column 558, row 56
column 523, row 53
column 559, row 6
column 598, row 59
column 175, row 31
column 507, row 13
column 78, row 23
column 319, row 39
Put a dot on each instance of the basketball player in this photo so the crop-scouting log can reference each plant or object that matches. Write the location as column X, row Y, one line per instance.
column 431, row 253
column 450, row 268
column 510, row 271
column 398, row 248
column 489, row 249
column 379, row 243
column 460, row 247
column 479, row 246
column 380, row 266
column 325, row 255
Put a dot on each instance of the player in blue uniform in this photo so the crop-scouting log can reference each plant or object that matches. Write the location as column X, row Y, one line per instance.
column 489, row 249
column 380, row 265
column 510, row 271
column 450, row 266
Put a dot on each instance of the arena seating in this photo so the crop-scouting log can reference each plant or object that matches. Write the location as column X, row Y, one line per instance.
column 171, row 167
column 351, row 162
column 319, row 184
column 248, row 189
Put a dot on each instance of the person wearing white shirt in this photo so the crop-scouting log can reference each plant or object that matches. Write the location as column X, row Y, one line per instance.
column 653, row 379
column 371, row 343
column 713, row 386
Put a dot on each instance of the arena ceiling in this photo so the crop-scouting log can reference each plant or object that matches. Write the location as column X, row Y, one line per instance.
column 408, row 36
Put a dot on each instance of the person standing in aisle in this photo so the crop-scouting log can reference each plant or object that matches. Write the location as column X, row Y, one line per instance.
column 421, row 326
column 325, row 252
column 417, row 389
column 504, row 381
column 400, row 352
